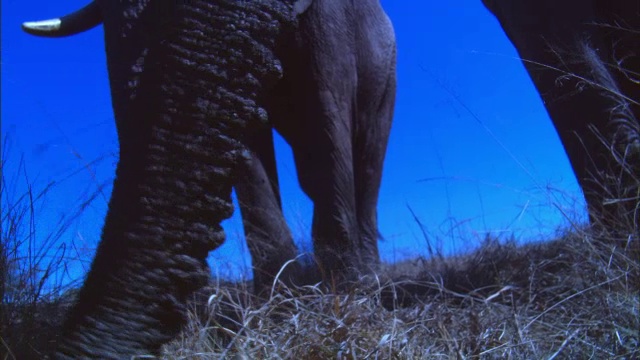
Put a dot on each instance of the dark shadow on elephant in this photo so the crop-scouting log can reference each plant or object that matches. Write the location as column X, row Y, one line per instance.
column 196, row 88
column 584, row 59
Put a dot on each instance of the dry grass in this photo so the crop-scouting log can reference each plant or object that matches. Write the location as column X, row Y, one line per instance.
column 575, row 297
column 35, row 285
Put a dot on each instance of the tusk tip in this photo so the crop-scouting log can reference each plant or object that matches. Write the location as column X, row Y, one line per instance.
column 41, row 27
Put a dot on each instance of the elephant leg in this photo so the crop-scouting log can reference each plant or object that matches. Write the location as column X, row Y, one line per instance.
column 623, row 60
column 376, row 103
column 570, row 56
column 268, row 236
column 326, row 176
column 595, row 118
column 317, row 123
column 337, row 97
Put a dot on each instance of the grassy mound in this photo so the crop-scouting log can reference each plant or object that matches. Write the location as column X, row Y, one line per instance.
column 575, row 297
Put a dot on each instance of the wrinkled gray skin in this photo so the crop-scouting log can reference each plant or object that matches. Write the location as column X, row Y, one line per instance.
column 192, row 83
column 584, row 58
column 334, row 107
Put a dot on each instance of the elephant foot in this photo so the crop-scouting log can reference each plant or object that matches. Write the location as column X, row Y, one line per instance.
column 266, row 283
column 347, row 271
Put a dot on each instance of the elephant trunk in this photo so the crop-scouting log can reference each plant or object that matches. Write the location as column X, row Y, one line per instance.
column 181, row 128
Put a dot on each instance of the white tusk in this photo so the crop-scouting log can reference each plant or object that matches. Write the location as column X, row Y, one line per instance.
column 42, row 26
column 82, row 20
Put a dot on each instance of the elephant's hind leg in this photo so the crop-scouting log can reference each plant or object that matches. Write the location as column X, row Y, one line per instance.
column 268, row 236
column 323, row 155
column 370, row 144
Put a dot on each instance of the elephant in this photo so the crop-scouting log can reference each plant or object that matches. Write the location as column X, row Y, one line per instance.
column 196, row 88
column 584, row 59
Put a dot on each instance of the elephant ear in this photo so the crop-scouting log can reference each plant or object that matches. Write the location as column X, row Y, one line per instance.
column 300, row 6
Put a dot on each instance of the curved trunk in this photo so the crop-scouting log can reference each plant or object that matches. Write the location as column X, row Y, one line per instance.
column 186, row 79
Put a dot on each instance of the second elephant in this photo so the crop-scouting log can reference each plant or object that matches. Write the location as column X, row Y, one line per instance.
column 334, row 106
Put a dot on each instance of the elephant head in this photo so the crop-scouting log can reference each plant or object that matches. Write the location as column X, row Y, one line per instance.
column 583, row 58
column 196, row 88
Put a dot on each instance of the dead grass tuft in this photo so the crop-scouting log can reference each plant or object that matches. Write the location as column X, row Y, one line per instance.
column 574, row 297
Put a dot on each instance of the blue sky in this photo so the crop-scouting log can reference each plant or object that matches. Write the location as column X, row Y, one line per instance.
column 472, row 149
